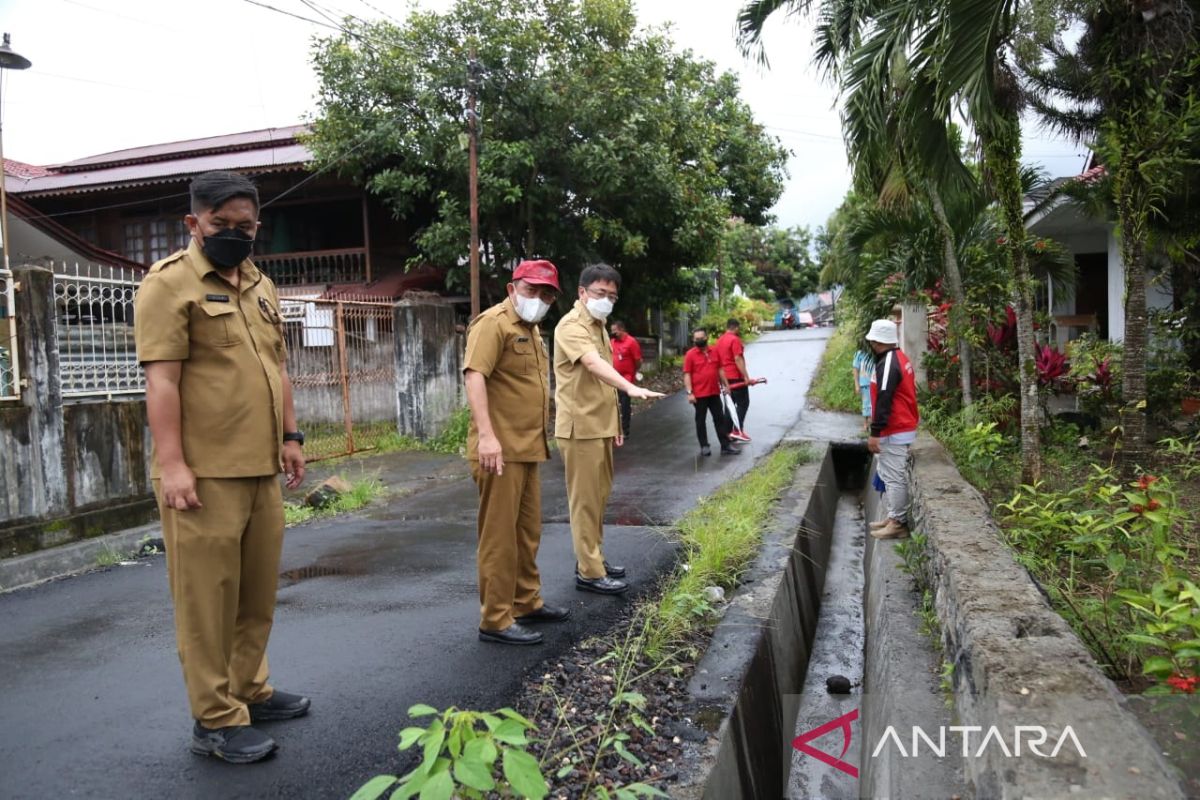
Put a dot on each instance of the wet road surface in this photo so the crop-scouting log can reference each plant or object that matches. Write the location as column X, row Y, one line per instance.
column 376, row 611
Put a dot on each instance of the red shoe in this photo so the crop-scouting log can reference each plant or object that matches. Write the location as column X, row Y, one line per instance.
column 741, row 436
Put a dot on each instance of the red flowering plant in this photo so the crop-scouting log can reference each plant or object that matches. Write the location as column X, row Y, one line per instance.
column 1004, row 335
column 1051, row 366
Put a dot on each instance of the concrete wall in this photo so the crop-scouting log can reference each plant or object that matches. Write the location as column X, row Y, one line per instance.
column 428, row 368
column 72, row 470
column 66, row 470
column 1016, row 661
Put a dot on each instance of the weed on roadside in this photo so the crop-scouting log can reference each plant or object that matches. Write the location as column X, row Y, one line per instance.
column 361, row 493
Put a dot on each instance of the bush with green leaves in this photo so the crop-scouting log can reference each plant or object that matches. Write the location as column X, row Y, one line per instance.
column 461, row 752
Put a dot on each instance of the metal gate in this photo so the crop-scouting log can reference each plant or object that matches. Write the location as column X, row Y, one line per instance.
column 342, row 362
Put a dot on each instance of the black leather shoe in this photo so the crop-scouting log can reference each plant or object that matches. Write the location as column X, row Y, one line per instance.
column 705, row 450
column 513, row 634
column 614, row 572
column 546, row 613
column 603, row 585
column 281, row 705
column 237, row 744
column 730, row 451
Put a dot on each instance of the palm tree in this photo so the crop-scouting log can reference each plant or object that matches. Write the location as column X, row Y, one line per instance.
column 958, row 56
column 1129, row 87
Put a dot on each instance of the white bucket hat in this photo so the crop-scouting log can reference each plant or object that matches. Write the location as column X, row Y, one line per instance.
column 883, row 331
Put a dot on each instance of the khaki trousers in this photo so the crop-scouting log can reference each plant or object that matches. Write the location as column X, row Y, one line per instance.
column 510, row 531
column 589, row 466
column 223, row 567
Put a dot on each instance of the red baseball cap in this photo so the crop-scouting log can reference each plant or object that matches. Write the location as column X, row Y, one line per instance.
column 537, row 272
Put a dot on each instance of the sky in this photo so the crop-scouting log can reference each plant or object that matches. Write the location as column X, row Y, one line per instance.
column 113, row 74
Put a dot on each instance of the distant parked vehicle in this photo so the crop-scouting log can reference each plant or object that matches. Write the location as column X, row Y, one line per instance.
column 804, row 320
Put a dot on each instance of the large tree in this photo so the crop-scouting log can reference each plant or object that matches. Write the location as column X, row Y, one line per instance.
column 958, row 58
column 599, row 141
column 1129, row 87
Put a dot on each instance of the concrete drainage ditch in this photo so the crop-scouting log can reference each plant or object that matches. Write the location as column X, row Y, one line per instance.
column 823, row 600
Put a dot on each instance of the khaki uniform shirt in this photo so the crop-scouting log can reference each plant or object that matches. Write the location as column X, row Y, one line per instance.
column 231, row 344
column 586, row 406
column 510, row 354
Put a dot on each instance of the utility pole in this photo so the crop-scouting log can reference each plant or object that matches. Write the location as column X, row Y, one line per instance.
column 473, row 177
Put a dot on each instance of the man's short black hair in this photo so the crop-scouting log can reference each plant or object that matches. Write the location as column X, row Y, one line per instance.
column 732, row 324
column 599, row 272
column 616, row 323
column 699, row 330
column 214, row 189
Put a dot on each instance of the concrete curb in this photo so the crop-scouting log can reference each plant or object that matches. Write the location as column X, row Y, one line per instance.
column 755, row 662
column 901, row 680
column 1017, row 662
column 70, row 559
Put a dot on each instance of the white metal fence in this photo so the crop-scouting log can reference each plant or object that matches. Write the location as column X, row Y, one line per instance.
column 10, row 370
column 94, row 307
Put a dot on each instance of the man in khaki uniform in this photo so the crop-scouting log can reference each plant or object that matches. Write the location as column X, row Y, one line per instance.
column 586, row 425
column 219, row 403
column 506, row 371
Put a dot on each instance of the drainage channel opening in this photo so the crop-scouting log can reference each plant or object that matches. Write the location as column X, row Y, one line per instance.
column 851, row 463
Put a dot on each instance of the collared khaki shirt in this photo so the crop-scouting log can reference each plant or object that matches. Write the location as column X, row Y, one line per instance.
column 231, row 344
column 586, row 406
column 511, row 356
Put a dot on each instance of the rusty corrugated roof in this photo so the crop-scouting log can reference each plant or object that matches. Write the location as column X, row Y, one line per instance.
column 268, row 150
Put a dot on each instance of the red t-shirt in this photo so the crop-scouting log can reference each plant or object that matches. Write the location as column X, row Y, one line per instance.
column 728, row 346
column 627, row 354
column 702, row 365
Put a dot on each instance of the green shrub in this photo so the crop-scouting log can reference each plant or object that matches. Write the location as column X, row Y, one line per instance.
column 833, row 387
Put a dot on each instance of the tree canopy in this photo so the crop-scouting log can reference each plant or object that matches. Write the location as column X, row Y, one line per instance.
column 599, row 141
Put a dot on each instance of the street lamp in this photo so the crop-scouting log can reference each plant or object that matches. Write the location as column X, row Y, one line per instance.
column 8, row 60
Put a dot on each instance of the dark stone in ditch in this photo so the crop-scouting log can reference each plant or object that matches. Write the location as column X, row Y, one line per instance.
column 837, row 684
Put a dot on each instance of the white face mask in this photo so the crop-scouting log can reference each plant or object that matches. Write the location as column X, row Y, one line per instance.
column 600, row 309
column 531, row 309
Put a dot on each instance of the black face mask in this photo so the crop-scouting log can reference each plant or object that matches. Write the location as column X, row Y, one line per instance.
column 228, row 247
column 702, row 343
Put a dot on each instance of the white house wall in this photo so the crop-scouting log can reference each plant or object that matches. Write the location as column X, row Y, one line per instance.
column 1157, row 295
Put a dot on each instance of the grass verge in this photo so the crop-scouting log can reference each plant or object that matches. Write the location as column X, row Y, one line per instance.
column 833, row 386
column 720, row 536
column 361, row 493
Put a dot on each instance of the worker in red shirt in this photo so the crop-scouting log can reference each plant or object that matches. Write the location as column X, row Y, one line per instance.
column 627, row 359
column 894, row 424
column 704, row 380
column 730, row 349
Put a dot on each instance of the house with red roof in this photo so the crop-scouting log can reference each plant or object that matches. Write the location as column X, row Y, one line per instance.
column 321, row 235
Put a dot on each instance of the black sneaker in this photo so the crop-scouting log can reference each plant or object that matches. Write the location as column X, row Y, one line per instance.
column 705, row 450
column 281, row 705
column 728, row 450
column 614, row 571
column 546, row 613
column 237, row 744
column 605, row 585
column 513, row 634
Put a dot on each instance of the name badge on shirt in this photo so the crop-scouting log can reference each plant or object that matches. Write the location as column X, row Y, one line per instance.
column 217, row 298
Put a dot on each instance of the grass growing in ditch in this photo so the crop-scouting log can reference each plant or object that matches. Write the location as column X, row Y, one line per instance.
column 833, row 386
column 720, row 536
column 361, row 493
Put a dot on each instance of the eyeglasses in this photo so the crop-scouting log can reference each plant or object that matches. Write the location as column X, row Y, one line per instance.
column 600, row 294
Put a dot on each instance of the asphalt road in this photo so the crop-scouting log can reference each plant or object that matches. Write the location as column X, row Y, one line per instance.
column 376, row 612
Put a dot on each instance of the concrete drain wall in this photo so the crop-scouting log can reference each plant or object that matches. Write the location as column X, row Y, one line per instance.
column 1016, row 662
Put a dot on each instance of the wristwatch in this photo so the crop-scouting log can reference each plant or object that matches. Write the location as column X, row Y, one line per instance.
column 294, row 436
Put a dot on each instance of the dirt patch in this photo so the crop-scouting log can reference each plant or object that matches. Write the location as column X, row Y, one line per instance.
column 573, row 699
